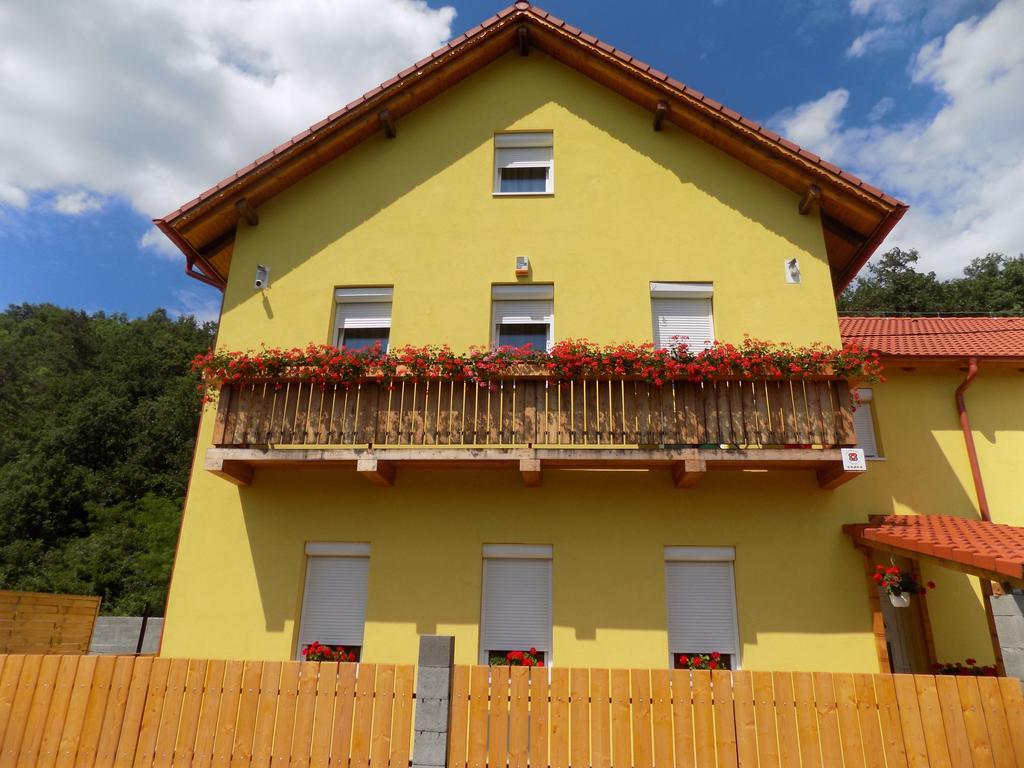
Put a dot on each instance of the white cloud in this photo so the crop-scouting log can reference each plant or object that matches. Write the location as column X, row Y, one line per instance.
column 863, row 42
column 158, row 243
column 815, row 124
column 882, row 107
column 155, row 100
column 76, row 203
column 204, row 307
column 962, row 169
column 13, row 196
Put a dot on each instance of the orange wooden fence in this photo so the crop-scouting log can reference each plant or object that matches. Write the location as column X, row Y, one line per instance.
column 532, row 412
column 125, row 710
column 655, row 719
column 34, row 622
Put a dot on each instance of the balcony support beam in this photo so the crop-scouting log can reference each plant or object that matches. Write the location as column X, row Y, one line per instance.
column 236, row 472
column 833, row 476
column 685, row 474
column 530, row 470
column 380, row 473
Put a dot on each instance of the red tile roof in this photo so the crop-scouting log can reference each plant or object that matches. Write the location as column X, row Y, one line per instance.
column 937, row 336
column 975, row 543
column 524, row 8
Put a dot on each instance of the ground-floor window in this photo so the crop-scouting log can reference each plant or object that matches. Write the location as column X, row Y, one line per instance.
column 701, row 595
column 515, row 620
column 334, row 599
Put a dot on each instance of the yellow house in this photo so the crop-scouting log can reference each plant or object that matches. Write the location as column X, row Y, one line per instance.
column 530, row 184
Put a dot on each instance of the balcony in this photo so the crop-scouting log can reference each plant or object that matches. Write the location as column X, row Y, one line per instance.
column 530, row 423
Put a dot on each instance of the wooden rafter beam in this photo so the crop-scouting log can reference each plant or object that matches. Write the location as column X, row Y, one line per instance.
column 217, row 245
column 660, row 113
column 524, row 41
column 830, row 478
column 237, row 472
column 685, row 474
column 843, row 232
column 530, row 470
column 387, row 123
column 378, row 472
column 247, row 212
column 810, row 198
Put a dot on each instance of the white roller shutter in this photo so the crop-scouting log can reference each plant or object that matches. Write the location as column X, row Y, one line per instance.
column 532, row 312
column 334, row 604
column 864, row 424
column 516, row 611
column 369, row 314
column 701, row 607
column 682, row 321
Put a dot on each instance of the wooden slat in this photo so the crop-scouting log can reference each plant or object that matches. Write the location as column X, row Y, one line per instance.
column 910, row 720
column 600, row 719
column 497, row 742
column 145, row 747
column 519, row 718
column 36, row 720
column 191, row 709
column 703, row 718
column 974, row 722
column 559, row 730
column 459, row 722
column 362, row 716
column 305, row 710
column 890, row 721
column 227, row 713
column 828, row 719
column 746, row 722
column 767, row 733
column 206, row 729
column 867, row 715
column 540, row 717
column 344, row 710
column 245, row 722
column 383, row 706
column 806, row 719
column 579, row 716
column 622, row 740
column 134, row 711
column 56, row 714
column 661, row 718
column 953, row 720
column 725, row 721
column 284, row 722
column 785, row 717
column 932, row 721
column 401, row 716
column 478, row 692
column 170, row 712
column 682, row 719
column 1013, row 701
column 323, row 717
column 995, row 718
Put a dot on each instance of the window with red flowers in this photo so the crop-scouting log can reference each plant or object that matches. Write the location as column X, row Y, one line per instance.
column 701, row 606
column 334, row 601
column 516, row 608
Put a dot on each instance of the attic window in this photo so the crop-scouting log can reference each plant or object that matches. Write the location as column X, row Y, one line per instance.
column 524, row 163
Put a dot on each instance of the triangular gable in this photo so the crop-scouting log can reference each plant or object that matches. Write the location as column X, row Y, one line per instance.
column 856, row 216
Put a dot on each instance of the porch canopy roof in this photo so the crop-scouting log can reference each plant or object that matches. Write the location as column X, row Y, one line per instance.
column 977, row 547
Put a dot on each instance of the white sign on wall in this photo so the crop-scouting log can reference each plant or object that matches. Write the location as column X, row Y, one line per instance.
column 853, row 460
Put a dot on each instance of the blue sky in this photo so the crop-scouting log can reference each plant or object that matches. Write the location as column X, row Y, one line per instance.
column 105, row 125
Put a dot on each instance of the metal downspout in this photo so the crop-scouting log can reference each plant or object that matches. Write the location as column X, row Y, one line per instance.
column 965, row 427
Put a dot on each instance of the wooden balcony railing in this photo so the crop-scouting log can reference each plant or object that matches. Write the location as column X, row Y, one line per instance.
column 530, row 421
column 537, row 413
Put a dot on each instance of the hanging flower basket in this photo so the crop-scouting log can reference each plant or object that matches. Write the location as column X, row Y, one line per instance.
column 898, row 584
column 901, row 600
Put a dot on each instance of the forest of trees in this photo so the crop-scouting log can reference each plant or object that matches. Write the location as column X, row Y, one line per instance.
column 991, row 285
column 98, row 418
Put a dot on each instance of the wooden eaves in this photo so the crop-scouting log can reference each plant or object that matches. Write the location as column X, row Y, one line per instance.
column 856, row 217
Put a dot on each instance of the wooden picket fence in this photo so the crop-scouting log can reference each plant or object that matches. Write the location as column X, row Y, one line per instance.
column 34, row 622
column 522, row 717
column 126, row 710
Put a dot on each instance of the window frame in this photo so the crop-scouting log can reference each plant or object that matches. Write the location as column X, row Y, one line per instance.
column 334, row 550
column 668, row 291
column 527, row 552
column 507, row 142
column 866, row 398
column 696, row 554
column 383, row 294
column 523, row 293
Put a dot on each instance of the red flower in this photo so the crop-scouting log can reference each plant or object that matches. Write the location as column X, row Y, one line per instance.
column 716, row 655
column 712, row 665
column 931, row 585
column 972, row 662
column 684, row 659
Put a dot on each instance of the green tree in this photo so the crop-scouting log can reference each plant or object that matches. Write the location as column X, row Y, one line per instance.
column 97, row 423
column 893, row 285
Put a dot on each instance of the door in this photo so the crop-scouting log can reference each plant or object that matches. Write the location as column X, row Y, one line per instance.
column 905, row 632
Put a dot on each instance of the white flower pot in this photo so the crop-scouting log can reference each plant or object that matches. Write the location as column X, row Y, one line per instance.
column 901, row 600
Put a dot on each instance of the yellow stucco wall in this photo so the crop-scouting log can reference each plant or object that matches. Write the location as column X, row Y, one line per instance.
column 630, row 206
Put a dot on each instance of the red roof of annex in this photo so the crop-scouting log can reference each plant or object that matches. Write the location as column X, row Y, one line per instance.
column 937, row 336
column 977, row 543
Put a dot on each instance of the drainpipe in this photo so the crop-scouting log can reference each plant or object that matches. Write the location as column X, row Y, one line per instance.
column 965, row 427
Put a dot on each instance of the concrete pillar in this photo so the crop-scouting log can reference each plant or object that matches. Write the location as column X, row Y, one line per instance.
column 1008, row 612
column 433, row 701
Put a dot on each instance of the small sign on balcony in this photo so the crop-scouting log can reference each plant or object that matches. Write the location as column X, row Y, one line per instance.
column 853, row 460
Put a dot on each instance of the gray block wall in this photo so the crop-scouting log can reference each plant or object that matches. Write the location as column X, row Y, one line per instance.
column 433, row 701
column 1009, row 615
column 120, row 634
